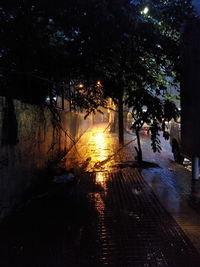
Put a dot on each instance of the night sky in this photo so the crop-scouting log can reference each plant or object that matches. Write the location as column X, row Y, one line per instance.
column 196, row 3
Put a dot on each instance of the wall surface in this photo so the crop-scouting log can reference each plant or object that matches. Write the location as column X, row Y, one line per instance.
column 190, row 90
column 30, row 140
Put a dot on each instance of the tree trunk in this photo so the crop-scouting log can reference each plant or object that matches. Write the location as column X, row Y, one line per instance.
column 139, row 148
column 63, row 98
column 121, row 118
column 51, row 97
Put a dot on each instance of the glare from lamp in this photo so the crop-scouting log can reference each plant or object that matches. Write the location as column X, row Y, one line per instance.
column 145, row 10
column 80, row 85
column 99, row 83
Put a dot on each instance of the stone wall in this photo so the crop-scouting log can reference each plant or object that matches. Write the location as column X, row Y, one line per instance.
column 30, row 139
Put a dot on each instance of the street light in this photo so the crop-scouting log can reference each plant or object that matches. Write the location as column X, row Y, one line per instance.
column 80, row 85
column 145, row 10
column 99, row 83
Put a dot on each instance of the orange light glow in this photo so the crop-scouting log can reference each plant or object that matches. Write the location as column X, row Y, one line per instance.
column 99, row 138
column 101, row 146
column 96, row 147
column 99, row 177
column 80, row 85
column 99, row 83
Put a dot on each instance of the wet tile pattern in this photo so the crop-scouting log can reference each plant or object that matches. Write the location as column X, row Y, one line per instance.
column 111, row 217
column 132, row 228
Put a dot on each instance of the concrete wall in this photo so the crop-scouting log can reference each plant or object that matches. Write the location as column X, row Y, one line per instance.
column 29, row 141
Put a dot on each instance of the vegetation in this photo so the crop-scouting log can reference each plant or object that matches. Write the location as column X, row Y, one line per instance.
column 132, row 47
column 155, row 112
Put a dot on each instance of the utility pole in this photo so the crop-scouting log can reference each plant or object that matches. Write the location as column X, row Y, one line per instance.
column 121, row 117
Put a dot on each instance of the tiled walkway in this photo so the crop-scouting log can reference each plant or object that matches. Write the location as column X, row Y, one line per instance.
column 112, row 217
column 132, row 228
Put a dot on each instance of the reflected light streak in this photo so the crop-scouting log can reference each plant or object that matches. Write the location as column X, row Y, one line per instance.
column 95, row 146
column 99, row 177
column 99, row 138
column 100, row 142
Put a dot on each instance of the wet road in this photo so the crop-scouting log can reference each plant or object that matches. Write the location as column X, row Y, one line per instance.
column 116, row 215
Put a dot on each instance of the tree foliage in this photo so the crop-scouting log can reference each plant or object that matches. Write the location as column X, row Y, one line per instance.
column 47, row 44
column 41, row 48
column 149, row 109
column 44, row 43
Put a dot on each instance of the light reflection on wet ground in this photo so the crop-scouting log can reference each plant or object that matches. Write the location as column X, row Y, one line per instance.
column 114, row 216
column 100, row 178
column 101, row 146
column 99, row 149
column 171, row 182
column 174, row 188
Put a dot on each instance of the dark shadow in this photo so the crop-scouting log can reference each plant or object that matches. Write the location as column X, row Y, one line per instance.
column 10, row 125
column 194, row 198
column 48, row 228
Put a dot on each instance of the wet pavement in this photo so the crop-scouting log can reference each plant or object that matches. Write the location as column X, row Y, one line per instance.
column 115, row 215
column 174, row 188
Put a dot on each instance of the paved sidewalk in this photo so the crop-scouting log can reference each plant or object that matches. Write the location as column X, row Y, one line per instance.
column 112, row 217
